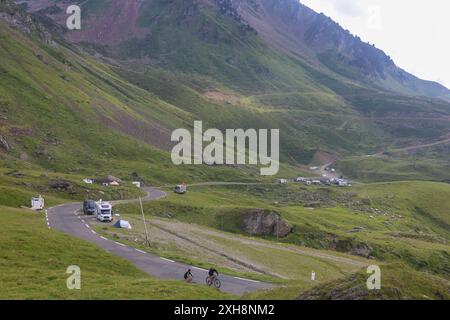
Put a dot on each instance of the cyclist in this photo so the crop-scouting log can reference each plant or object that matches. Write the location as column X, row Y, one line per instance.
column 188, row 277
column 213, row 274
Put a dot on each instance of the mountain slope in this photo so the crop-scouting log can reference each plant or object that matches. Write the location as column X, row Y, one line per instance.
column 295, row 28
column 158, row 30
column 61, row 110
column 174, row 62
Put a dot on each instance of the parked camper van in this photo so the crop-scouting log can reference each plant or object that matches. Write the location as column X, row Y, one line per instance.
column 104, row 211
column 37, row 203
column 89, row 207
column 180, row 189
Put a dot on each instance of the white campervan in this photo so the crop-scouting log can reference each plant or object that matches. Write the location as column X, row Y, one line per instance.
column 37, row 203
column 104, row 211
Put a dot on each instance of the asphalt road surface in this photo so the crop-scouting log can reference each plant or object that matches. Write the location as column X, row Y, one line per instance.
column 67, row 218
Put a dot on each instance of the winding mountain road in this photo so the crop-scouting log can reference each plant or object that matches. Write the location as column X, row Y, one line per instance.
column 66, row 218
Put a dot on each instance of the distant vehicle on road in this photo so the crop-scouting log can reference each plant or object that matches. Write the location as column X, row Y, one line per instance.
column 282, row 181
column 89, row 207
column 180, row 189
column 37, row 203
column 104, row 211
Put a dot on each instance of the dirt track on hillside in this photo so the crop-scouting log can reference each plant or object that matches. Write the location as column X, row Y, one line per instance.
column 412, row 148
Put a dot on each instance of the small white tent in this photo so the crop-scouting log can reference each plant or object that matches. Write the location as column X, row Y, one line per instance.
column 137, row 184
column 123, row 224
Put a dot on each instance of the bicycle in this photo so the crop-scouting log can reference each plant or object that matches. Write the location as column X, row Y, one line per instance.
column 213, row 281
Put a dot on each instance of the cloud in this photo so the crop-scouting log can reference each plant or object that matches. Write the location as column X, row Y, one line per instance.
column 349, row 8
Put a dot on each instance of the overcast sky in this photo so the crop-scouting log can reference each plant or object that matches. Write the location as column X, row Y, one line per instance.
column 415, row 33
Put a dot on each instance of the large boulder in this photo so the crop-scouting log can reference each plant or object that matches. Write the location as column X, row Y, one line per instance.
column 363, row 250
column 60, row 185
column 265, row 222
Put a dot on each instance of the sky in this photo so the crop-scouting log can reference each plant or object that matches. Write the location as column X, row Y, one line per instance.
column 415, row 33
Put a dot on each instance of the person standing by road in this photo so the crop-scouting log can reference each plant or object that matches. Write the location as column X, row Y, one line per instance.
column 188, row 277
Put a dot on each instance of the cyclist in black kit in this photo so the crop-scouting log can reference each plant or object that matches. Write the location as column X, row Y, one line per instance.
column 213, row 278
column 212, row 273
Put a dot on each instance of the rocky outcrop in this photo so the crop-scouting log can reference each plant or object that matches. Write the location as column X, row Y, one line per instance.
column 135, row 177
column 351, row 246
column 351, row 288
column 265, row 222
column 60, row 185
column 362, row 250
column 4, row 144
column 226, row 7
column 25, row 22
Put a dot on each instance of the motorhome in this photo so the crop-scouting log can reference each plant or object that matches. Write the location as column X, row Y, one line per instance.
column 104, row 211
column 37, row 203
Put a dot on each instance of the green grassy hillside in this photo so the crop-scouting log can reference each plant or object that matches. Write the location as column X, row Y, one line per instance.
column 406, row 221
column 34, row 261
column 64, row 112
column 70, row 111
column 399, row 282
column 70, row 107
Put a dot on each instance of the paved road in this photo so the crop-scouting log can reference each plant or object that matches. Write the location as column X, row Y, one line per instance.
column 66, row 218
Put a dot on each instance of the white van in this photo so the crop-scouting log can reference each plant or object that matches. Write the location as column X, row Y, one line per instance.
column 104, row 211
column 37, row 203
column 180, row 189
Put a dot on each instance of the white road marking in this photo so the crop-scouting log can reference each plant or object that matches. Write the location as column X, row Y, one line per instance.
column 93, row 232
column 199, row 269
column 246, row 279
column 46, row 219
column 103, row 238
column 166, row 259
column 87, row 226
column 141, row 251
column 120, row 244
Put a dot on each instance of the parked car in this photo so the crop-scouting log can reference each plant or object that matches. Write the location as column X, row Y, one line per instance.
column 180, row 189
column 89, row 207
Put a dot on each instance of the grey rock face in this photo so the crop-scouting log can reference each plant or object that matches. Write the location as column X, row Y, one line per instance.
column 265, row 222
